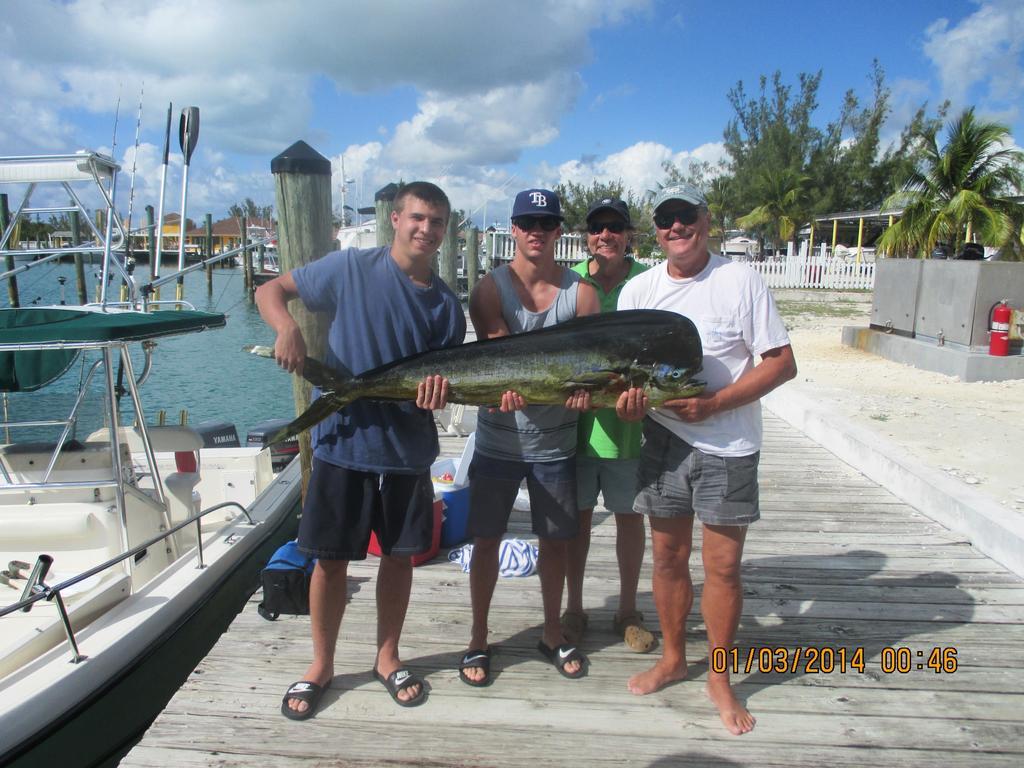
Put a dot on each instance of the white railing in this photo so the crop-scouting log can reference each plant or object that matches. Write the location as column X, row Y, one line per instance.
column 501, row 248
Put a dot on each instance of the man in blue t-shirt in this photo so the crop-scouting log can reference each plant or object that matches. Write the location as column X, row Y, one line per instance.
column 371, row 462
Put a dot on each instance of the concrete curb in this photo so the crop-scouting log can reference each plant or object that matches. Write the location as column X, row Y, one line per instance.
column 992, row 529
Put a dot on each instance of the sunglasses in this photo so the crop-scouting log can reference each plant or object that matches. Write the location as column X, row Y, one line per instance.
column 684, row 216
column 615, row 227
column 530, row 223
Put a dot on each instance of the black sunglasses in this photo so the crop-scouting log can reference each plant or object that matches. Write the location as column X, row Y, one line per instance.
column 684, row 216
column 615, row 227
column 530, row 223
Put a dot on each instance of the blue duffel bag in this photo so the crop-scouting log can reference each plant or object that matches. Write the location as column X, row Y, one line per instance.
column 286, row 582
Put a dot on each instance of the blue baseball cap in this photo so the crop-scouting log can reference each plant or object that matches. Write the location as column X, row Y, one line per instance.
column 537, row 202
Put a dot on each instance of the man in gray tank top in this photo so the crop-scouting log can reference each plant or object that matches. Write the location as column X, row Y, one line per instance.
column 518, row 441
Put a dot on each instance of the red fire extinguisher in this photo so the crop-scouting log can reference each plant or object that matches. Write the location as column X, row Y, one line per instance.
column 999, row 336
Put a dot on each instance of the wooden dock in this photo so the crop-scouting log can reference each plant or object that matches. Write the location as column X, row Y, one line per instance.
column 836, row 562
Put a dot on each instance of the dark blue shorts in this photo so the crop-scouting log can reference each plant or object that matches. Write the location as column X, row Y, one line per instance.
column 344, row 505
column 494, row 484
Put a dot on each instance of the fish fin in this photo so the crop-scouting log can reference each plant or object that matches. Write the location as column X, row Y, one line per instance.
column 321, row 408
column 259, row 351
column 593, row 379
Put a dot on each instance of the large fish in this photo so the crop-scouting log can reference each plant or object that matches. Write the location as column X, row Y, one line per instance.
column 604, row 354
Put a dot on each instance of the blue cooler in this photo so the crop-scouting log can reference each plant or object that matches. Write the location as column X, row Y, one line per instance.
column 455, row 495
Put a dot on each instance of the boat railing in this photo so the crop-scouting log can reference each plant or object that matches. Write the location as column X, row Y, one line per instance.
column 36, row 589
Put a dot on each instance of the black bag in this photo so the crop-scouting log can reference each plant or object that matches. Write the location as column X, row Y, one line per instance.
column 286, row 583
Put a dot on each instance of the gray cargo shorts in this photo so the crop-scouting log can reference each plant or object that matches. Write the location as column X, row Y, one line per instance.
column 676, row 479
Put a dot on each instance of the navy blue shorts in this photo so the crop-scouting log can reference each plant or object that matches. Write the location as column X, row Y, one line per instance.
column 494, row 484
column 344, row 505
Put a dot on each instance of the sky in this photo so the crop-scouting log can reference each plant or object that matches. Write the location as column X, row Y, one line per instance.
column 483, row 97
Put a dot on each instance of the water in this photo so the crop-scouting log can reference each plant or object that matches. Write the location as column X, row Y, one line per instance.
column 206, row 374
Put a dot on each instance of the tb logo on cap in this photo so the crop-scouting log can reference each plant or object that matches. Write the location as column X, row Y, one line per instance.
column 538, row 199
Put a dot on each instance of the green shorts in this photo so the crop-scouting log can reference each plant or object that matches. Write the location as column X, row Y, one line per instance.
column 614, row 479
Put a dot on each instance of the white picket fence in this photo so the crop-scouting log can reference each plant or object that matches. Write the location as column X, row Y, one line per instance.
column 821, row 269
column 827, row 272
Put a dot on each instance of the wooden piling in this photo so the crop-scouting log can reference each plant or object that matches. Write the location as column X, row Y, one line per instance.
column 76, row 239
column 449, row 261
column 472, row 259
column 302, row 182
column 250, row 286
column 384, row 204
column 12, row 281
column 208, row 251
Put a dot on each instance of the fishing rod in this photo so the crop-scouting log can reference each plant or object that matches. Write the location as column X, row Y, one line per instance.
column 154, row 268
column 131, row 189
column 188, row 136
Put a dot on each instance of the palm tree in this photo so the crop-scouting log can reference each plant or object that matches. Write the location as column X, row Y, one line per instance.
column 786, row 205
column 960, row 191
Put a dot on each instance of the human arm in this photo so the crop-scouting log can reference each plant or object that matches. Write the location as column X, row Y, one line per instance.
column 777, row 366
column 485, row 314
column 272, row 301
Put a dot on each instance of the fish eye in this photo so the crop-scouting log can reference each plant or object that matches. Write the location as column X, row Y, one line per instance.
column 676, row 373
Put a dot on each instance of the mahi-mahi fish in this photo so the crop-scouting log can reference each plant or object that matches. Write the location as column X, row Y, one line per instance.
column 604, row 354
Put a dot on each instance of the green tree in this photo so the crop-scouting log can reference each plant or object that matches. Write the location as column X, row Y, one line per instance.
column 960, row 191
column 251, row 211
column 785, row 204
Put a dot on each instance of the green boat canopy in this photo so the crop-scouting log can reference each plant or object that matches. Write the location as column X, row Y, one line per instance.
column 28, row 370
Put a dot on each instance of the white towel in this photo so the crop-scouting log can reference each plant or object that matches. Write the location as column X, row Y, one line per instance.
column 515, row 557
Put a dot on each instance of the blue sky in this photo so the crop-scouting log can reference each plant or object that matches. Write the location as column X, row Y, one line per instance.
column 482, row 97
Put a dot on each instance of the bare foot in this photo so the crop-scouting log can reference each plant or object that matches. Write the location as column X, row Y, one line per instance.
column 656, row 678
column 315, row 674
column 735, row 716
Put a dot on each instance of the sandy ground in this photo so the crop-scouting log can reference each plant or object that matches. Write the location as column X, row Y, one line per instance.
column 973, row 432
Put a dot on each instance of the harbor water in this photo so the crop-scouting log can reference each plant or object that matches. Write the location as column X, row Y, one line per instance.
column 205, row 374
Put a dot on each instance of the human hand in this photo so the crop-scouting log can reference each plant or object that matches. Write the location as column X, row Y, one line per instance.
column 290, row 350
column 510, row 401
column 578, row 401
column 632, row 404
column 693, row 409
column 432, row 393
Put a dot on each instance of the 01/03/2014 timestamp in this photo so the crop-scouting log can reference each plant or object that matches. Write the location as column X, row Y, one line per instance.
column 812, row 660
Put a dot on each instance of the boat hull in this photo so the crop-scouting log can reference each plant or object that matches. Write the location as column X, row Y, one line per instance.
column 94, row 713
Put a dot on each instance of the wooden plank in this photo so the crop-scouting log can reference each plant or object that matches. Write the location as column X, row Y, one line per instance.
column 835, row 562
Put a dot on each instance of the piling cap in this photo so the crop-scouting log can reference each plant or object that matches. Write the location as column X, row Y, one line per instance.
column 301, row 158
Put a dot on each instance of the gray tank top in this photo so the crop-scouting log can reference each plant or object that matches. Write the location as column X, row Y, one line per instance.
column 538, row 432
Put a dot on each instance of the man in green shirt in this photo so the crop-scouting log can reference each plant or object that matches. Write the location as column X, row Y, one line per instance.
column 608, row 449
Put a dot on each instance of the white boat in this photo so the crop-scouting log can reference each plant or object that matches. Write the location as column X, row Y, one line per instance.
column 109, row 601
column 739, row 247
column 126, row 552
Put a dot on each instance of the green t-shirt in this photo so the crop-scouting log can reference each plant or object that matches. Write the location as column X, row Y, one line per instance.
column 601, row 433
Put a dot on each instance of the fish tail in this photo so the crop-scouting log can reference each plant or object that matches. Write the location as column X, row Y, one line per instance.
column 321, row 408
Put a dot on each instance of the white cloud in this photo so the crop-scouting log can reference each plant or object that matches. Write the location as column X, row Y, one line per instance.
column 980, row 59
column 639, row 167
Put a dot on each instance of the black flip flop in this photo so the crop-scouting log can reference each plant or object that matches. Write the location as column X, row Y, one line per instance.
column 561, row 656
column 399, row 680
column 476, row 658
column 306, row 691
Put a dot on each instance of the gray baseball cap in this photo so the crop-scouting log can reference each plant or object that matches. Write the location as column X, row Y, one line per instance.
column 682, row 192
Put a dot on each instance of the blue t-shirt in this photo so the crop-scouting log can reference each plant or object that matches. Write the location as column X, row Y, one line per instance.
column 380, row 315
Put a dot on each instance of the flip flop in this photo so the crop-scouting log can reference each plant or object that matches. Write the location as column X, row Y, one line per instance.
column 476, row 658
column 399, row 680
column 631, row 629
column 306, row 691
column 561, row 656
